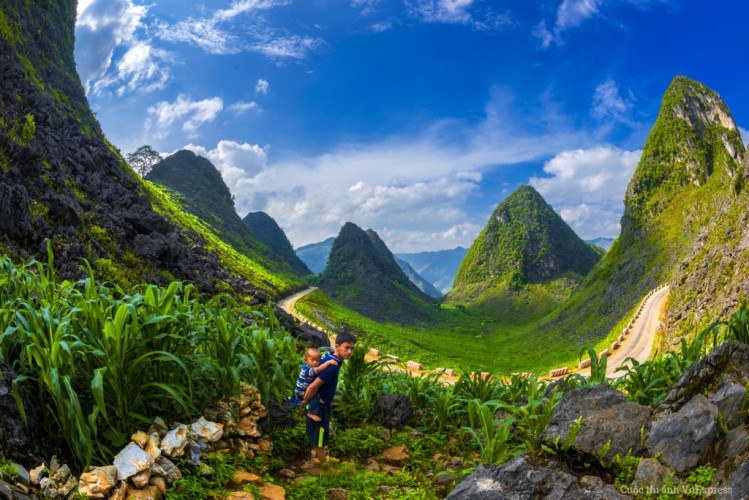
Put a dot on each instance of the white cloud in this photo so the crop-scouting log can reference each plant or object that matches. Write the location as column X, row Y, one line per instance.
column 213, row 36
column 262, row 86
column 192, row 114
column 291, row 47
column 457, row 12
column 570, row 14
column 587, row 187
column 102, row 26
column 609, row 103
column 238, row 163
column 242, row 107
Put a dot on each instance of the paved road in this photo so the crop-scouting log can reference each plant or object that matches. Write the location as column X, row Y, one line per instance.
column 287, row 304
column 639, row 343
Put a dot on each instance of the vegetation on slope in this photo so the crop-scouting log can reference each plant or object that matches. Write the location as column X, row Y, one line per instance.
column 362, row 274
column 269, row 232
column 682, row 201
column 524, row 243
column 201, row 191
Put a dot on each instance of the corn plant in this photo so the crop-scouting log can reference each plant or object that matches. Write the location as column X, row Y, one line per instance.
column 738, row 324
column 493, row 435
column 473, row 386
column 446, row 409
column 534, row 416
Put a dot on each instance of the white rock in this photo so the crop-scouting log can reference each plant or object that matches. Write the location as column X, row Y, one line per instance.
column 173, row 444
column 98, row 481
column 131, row 460
column 152, row 446
column 207, row 431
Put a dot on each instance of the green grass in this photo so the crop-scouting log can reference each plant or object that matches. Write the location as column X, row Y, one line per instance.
column 455, row 337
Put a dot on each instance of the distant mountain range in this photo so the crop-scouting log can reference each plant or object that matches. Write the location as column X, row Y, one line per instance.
column 604, row 243
column 438, row 267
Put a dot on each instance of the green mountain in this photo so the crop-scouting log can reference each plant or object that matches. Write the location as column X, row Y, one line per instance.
column 526, row 255
column 201, row 191
column 62, row 181
column 683, row 224
column 270, row 233
column 315, row 255
column 362, row 275
column 439, row 267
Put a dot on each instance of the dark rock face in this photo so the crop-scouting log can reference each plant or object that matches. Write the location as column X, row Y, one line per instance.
column 393, row 410
column 683, row 438
column 518, row 480
column 729, row 358
column 607, row 416
column 15, row 216
column 17, row 440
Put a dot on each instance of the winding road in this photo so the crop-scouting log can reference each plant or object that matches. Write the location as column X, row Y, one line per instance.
column 637, row 345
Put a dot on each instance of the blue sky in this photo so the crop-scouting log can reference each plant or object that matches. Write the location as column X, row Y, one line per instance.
column 411, row 117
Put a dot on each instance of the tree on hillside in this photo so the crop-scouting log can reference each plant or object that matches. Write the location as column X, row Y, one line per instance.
column 143, row 159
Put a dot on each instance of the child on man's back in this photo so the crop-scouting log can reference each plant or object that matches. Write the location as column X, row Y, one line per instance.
column 307, row 372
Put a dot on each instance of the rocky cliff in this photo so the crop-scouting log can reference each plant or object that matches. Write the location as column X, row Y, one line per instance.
column 684, row 223
column 62, row 181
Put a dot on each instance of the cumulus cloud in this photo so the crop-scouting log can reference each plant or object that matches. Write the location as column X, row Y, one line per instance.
column 262, row 86
column 239, row 163
column 570, row 14
column 587, row 187
column 609, row 103
column 102, row 26
column 192, row 114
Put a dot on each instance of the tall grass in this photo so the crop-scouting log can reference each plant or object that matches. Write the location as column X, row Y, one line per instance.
column 101, row 362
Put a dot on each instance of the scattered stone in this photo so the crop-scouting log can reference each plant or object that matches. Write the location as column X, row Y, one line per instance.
column 265, row 445
column 160, row 483
column 373, row 465
column 175, row 441
column 337, row 494
column 140, row 480
column 36, row 474
column 683, row 438
column 443, row 483
column 131, row 461
column 393, row 410
column 728, row 398
column 247, row 426
column 152, row 446
column 453, row 464
column 242, row 477
column 395, row 455
column 97, row 482
column 120, row 492
column 289, row 474
column 150, row 492
column 650, row 472
column 735, row 444
column 240, row 495
column 140, row 438
column 159, row 426
column 166, row 468
column 210, row 432
column 272, row 492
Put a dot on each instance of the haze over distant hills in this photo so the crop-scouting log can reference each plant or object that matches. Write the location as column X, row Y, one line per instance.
column 604, row 243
